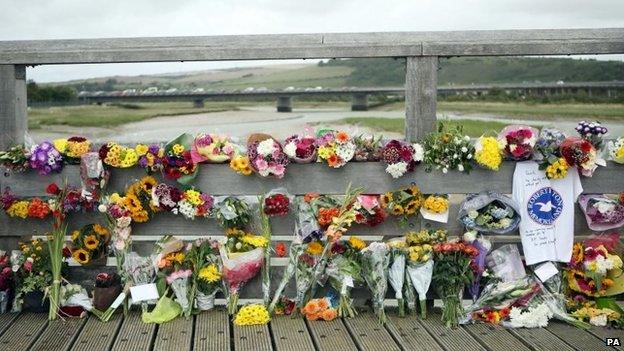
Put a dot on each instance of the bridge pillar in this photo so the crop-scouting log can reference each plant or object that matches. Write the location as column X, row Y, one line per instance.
column 359, row 102
column 284, row 104
column 199, row 103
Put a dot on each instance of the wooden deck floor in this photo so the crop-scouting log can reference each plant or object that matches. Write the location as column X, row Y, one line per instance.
column 212, row 331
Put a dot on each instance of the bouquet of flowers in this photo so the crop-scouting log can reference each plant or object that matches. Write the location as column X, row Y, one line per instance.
column 601, row 212
column 93, row 175
column 213, row 148
column 194, row 203
column 241, row 165
column 375, row 260
column 6, row 281
column 151, row 158
column 90, row 243
column 367, row 148
column 45, row 158
column 140, row 271
column 118, row 156
column 401, row 157
column 107, row 289
column 232, row 212
column 402, row 203
column 518, row 141
column 335, row 148
column 435, row 208
column 23, row 208
column 320, row 308
column 276, row 203
column 452, row 270
column 489, row 212
column 488, row 153
column 72, row 148
column 203, row 258
column 301, row 149
column 137, row 200
column 307, row 258
column 592, row 132
column 581, row 154
column 254, row 314
column 15, row 159
column 447, row 150
column 483, row 246
column 324, row 207
column 396, row 270
column 548, row 154
column 31, row 270
column 267, row 158
column 179, row 282
column 615, row 149
column 178, row 163
column 420, row 261
column 345, row 271
column 369, row 211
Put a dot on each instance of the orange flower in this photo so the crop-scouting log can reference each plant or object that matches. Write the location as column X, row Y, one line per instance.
column 329, row 314
column 308, row 197
column 323, row 304
column 312, row 307
column 332, row 160
column 280, row 250
column 326, row 215
column 342, row 137
column 333, row 234
column 313, row 316
column 577, row 253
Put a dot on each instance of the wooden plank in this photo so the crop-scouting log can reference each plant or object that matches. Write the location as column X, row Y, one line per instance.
column 578, row 339
column 314, row 45
column 134, row 334
column 450, row 338
column 212, row 331
column 252, row 338
column 13, row 117
column 541, row 339
column 290, row 334
column 174, row 335
column 5, row 321
column 59, row 335
column 410, row 334
column 329, row 336
column 369, row 334
column 97, row 335
column 24, row 331
column 495, row 337
column 421, row 81
column 604, row 333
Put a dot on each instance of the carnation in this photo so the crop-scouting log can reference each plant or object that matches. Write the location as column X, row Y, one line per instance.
column 266, row 147
column 291, row 150
column 396, row 170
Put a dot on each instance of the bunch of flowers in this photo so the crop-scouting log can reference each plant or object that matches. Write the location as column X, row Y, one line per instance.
column 212, row 148
column 194, row 203
column 45, row 158
column 139, row 271
column 494, row 216
column 488, row 153
column 179, row 281
column 16, row 158
column 241, row 165
column 344, row 270
column 547, row 153
column 536, row 316
column 492, row 315
column 151, row 157
column 368, row 210
column 276, row 204
column 137, row 200
column 375, row 260
column 320, row 308
column 396, row 270
column 601, row 212
column 254, row 314
column 615, row 149
column 301, row 149
column 324, row 207
column 451, row 272
column 23, row 208
column 178, row 163
column 401, row 157
column 72, row 148
column 89, row 243
column 267, row 158
column 600, row 317
column 518, row 141
column 592, row 268
column 232, row 212
column 592, row 132
column 580, row 153
column 306, row 258
column 6, row 281
column 241, row 241
column 402, row 203
column 118, row 156
column 367, row 148
column 447, row 150
column 436, row 204
column 31, row 268
column 335, row 148
column 483, row 247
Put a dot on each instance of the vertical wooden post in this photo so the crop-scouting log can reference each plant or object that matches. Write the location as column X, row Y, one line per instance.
column 13, row 116
column 421, row 88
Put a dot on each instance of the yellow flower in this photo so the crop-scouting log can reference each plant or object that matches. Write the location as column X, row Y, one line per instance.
column 75, row 234
column 397, row 210
column 18, row 209
column 147, row 183
column 557, row 170
column 254, row 240
column 115, row 198
column 60, row 145
column 141, row 149
column 233, row 232
column 178, row 149
column 210, row 273
column 130, row 158
column 314, row 248
column 385, row 199
column 412, row 207
column 488, row 153
column 76, row 149
column 255, row 314
column 325, row 152
column 99, row 230
column 193, row 196
column 91, row 242
column 240, row 164
column 179, row 257
column 81, row 256
column 436, row 204
column 356, row 243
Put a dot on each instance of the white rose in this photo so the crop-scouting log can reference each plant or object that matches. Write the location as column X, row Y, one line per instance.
column 470, row 236
column 460, row 168
column 469, row 156
column 102, row 208
column 466, row 138
column 444, row 170
column 464, row 149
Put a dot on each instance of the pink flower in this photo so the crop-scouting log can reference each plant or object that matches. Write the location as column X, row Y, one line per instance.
column 120, row 245
column 261, row 164
column 28, row 265
column 279, row 170
column 368, row 201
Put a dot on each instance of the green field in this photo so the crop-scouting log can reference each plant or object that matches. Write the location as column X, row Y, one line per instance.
column 310, row 76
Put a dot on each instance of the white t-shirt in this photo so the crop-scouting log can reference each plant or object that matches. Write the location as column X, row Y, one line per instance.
column 547, row 212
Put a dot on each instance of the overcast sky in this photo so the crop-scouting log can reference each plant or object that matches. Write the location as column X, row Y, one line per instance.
column 56, row 19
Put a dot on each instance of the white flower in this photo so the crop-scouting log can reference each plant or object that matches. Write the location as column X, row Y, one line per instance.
column 291, row 149
column 444, row 170
column 460, row 167
column 15, row 268
column 604, row 206
column 469, row 156
column 30, row 259
column 419, row 152
column 186, row 209
column 102, row 208
column 599, row 320
column 466, row 138
column 266, row 147
column 455, row 155
column 345, row 151
column 473, row 214
column 534, row 317
column 396, row 170
column 470, row 236
column 464, row 149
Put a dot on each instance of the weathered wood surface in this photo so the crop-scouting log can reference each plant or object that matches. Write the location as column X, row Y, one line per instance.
column 580, row 340
column 329, row 336
column 24, row 331
column 59, row 335
column 410, row 334
column 290, row 334
column 457, row 339
column 421, row 81
column 541, row 339
column 368, row 334
column 316, row 45
column 134, row 334
column 13, row 118
column 252, row 338
column 175, row 335
column 495, row 337
column 212, row 331
column 96, row 335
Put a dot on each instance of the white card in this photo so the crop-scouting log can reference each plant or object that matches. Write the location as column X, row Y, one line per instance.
column 546, row 271
column 437, row 217
column 118, row 300
column 144, row 292
column 348, row 281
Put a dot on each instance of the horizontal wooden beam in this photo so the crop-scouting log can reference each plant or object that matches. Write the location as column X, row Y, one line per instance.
column 317, row 45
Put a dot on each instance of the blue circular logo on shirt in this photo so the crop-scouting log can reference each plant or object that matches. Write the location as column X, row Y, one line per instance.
column 545, row 206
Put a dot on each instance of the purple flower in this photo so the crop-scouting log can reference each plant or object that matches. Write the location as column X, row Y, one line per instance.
column 153, row 149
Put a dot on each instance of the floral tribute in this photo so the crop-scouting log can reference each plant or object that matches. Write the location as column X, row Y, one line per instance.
column 241, row 165
column 254, row 314
column 593, row 267
column 178, row 163
column 547, row 153
column 448, row 149
column 212, row 148
column 72, row 148
column 24, row 208
column 488, row 153
column 401, row 157
column 118, row 156
column 45, row 159
column 518, row 141
column 89, row 243
column 334, row 147
column 592, row 132
column 615, row 149
column 15, row 159
column 232, row 212
column 375, row 261
column 367, row 148
column 267, row 158
column 301, row 149
column 345, row 272
column 151, row 158
column 276, row 204
column 402, row 203
column 369, row 211
column 581, row 154
column 319, row 309
column 31, row 267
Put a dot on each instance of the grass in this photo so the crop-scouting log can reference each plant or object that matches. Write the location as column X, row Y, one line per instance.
column 473, row 128
column 310, row 76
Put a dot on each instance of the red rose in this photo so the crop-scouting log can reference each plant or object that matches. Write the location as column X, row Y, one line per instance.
column 280, row 249
column 53, row 189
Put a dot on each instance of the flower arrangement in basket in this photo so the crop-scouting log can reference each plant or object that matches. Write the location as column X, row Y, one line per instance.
column 448, row 149
column 90, row 244
column 266, row 156
column 401, row 157
column 334, row 147
column 518, row 141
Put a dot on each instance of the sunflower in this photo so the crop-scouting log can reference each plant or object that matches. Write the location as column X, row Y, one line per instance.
column 577, row 253
column 81, row 256
column 75, row 234
column 99, row 230
column 314, row 248
column 91, row 242
column 385, row 199
column 397, row 210
column 147, row 183
column 412, row 207
column 356, row 243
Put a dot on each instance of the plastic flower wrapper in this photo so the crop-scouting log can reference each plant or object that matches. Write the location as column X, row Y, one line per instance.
column 435, row 208
column 401, row 157
column 179, row 282
column 396, row 270
column 203, row 256
column 420, row 275
column 213, row 148
column 301, row 148
column 334, row 147
column 74, row 296
column 15, row 159
column 375, row 260
column 506, row 263
column 367, row 148
column 402, row 203
column 601, row 212
column 345, row 272
column 178, row 163
column 307, row 258
column 409, row 293
column 592, row 132
column 238, row 268
column 165, row 310
column 615, row 150
column 232, row 212
column 518, row 141
column 369, row 210
column 324, row 207
column 483, row 246
column 277, row 202
column 45, row 158
column 118, row 156
column 582, row 155
column 488, row 153
column 296, row 249
column 93, row 175
column 557, row 305
column 140, row 271
column 90, row 243
column 266, row 156
column 489, row 212
column 448, row 149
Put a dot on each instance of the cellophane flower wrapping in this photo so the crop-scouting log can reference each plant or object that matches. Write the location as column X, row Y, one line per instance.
column 16, row 158
column 267, row 158
column 179, row 283
column 375, row 260
column 140, row 270
column 295, row 251
column 301, row 148
column 369, row 211
column 396, row 276
column 601, row 212
column 580, row 153
column 489, row 212
column 178, row 163
column 45, row 158
column 239, row 268
column 615, row 150
column 232, row 212
column 500, row 295
column 420, row 275
column 518, row 141
column 305, row 274
column 344, row 271
column 213, row 148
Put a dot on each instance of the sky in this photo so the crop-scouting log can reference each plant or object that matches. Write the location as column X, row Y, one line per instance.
column 72, row 19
